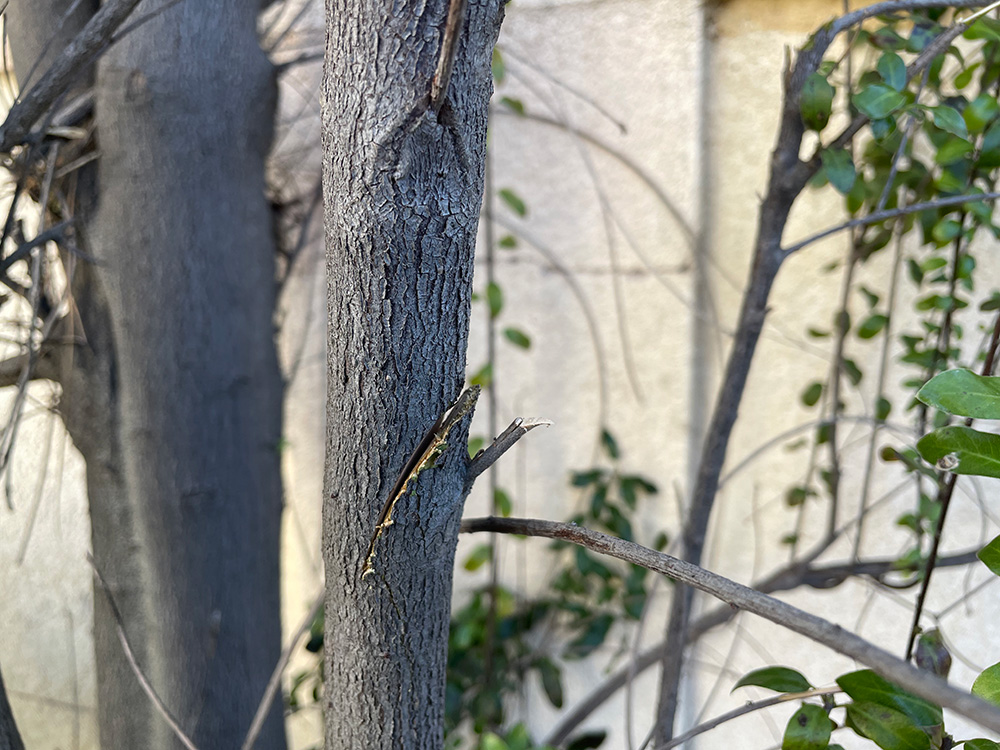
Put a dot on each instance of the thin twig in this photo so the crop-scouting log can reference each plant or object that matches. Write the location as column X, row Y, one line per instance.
column 945, row 502
column 147, row 688
column 504, row 442
column 264, row 707
column 892, row 213
column 55, row 232
column 920, row 683
column 742, row 711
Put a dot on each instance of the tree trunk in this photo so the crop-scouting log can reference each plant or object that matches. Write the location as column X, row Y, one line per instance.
column 175, row 399
column 403, row 188
column 9, row 737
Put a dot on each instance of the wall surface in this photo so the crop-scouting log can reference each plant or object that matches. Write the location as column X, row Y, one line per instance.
column 641, row 159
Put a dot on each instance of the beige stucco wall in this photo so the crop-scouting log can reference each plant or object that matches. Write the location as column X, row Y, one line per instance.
column 699, row 98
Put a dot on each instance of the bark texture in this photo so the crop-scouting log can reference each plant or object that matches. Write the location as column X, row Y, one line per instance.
column 403, row 188
column 174, row 398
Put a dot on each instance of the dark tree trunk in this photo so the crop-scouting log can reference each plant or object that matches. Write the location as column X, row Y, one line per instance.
column 175, row 399
column 9, row 737
column 403, row 188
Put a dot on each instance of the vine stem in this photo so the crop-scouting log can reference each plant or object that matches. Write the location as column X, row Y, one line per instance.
column 946, row 495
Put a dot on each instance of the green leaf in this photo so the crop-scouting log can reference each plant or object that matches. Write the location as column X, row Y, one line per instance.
column 963, row 393
column 893, row 70
column 990, row 555
column 484, row 377
column 808, row 729
column 519, row 739
column 478, row 557
column 964, row 78
column 953, row 150
column 515, row 105
column 517, row 337
column 991, row 139
column 882, row 408
column 871, row 326
column 812, row 394
column 987, row 685
column 551, row 681
column 945, row 231
column 864, row 686
column 494, row 296
column 779, row 679
column 610, row 445
column 931, row 653
column 592, row 637
column 816, row 102
column 981, row 744
column 887, row 728
column 498, row 67
column 883, row 127
column 962, row 450
column 878, row 101
column 950, row 120
column 512, row 199
column 852, row 371
column 508, row 242
column 501, row 501
column 491, row 741
column 984, row 28
column 585, row 478
column 475, row 445
column 839, row 168
column 797, row 495
column 980, row 112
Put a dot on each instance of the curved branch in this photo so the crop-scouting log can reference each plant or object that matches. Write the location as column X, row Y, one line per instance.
column 923, row 684
column 784, row 579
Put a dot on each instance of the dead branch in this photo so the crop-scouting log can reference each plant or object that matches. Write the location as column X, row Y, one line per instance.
column 923, row 684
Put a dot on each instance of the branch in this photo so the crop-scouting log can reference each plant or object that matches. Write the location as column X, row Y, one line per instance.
column 789, row 577
column 55, row 232
column 876, row 217
column 130, row 656
column 486, row 458
column 741, row 711
column 920, row 683
column 264, row 707
column 78, row 53
column 788, row 176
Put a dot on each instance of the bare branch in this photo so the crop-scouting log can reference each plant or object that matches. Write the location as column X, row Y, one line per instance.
column 264, row 707
column 514, row 432
column 130, row 656
column 52, row 233
column 892, row 213
column 78, row 53
column 742, row 711
column 921, row 683
column 785, row 579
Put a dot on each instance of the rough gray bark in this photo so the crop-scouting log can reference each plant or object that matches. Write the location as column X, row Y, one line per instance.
column 174, row 400
column 403, row 189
